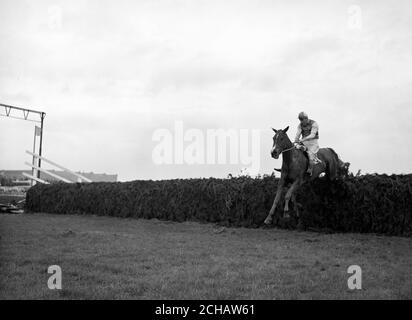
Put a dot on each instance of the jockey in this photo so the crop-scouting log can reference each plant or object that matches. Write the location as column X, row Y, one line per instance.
column 309, row 130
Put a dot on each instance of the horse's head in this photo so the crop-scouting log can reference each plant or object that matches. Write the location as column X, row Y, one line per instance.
column 280, row 142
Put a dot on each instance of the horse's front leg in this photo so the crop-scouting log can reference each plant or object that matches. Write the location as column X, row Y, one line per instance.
column 269, row 218
column 288, row 195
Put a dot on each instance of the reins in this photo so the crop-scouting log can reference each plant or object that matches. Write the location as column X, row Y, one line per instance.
column 288, row 149
column 293, row 147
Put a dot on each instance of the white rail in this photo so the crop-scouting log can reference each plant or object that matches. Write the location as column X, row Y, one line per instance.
column 34, row 178
column 50, row 173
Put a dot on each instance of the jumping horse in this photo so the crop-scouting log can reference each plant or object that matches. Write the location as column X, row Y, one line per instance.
column 294, row 169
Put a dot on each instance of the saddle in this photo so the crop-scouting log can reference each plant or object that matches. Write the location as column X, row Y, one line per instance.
column 305, row 152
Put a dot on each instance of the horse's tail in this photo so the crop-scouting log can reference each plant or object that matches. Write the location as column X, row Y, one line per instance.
column 335, row 154
column 332, row 163
column 342, row 168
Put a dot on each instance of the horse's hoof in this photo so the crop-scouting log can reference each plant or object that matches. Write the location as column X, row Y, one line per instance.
column 268, row 221
column 286, row 214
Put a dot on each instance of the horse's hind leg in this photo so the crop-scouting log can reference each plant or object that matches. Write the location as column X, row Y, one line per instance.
column 295, row 204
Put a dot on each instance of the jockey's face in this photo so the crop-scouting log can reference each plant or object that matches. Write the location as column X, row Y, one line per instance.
column 304, row 121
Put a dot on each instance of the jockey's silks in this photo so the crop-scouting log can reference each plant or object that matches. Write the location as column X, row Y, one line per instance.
column 307, row 129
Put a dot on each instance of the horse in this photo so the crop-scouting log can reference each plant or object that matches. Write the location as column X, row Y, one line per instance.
column 294, row 169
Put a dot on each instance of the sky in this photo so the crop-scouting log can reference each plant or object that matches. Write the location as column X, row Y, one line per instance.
column 110, row 74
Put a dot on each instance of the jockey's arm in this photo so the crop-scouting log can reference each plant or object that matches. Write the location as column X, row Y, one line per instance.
column 298, row 133
column 312, row 135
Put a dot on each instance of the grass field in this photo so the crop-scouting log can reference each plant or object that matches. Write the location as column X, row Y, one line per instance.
column 115, row 258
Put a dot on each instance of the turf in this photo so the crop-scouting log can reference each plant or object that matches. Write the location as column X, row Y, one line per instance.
column 119, row 258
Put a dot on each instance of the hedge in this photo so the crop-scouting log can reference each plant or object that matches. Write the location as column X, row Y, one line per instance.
column 369, row 203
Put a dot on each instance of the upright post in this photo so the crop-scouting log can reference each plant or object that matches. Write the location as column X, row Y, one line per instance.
column 34, row 151
column 41, row 142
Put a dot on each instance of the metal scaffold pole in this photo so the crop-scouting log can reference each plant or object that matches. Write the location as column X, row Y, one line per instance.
column 15, row 113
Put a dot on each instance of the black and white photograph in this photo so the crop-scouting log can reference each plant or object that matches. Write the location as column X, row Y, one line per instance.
column 221, row 152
